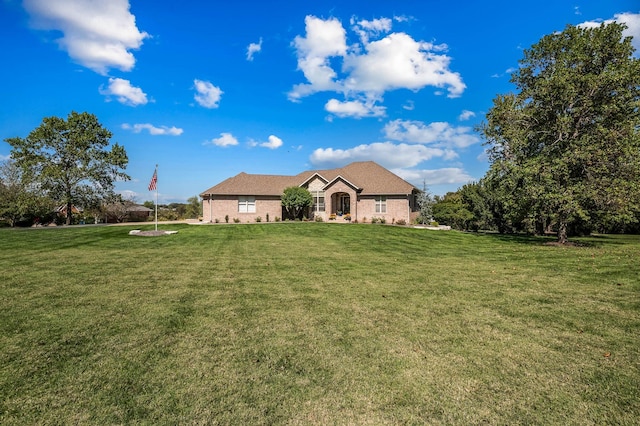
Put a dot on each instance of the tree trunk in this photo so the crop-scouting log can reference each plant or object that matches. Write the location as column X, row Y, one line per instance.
column 562, row 232
column 69, row 213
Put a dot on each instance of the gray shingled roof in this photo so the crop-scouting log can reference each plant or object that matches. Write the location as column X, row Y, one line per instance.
column 368, row 176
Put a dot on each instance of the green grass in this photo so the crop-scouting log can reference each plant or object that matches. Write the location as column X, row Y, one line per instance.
column 305, row 323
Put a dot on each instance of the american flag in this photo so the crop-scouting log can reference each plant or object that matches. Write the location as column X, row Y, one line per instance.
column 154, row 181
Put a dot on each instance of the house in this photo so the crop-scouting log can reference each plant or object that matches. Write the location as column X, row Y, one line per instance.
column 357, row 191
column 126, row 212
column 61, row 211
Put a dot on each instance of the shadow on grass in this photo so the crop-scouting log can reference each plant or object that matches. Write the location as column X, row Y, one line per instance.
column 587, row 241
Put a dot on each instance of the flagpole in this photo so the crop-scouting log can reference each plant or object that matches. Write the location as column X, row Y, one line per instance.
column 156, row 174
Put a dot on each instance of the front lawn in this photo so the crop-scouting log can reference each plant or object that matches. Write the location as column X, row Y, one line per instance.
column 316, row 323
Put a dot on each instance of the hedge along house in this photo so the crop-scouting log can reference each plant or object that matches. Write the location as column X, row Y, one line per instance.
column 357, row 191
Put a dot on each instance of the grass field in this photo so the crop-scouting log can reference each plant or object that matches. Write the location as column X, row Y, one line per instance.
column 306, row 323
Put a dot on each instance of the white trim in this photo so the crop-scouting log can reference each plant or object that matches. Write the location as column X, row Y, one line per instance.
column 339, row 177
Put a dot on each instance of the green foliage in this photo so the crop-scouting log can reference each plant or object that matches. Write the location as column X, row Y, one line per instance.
column 481, row 202
column 450, row 210
column 20, row 200
column 69, row 161
column 226, row 218
column 193, row 208
column 565, row 149
column 425, row 202
column 296, row 200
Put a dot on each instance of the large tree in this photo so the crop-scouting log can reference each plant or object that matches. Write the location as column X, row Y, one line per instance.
column 566, row 146
column 70, row 160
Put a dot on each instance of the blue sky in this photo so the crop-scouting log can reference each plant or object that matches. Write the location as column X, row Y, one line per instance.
column 209, row 89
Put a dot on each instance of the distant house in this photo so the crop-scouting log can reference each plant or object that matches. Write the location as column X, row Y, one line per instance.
column 356, row 191
column 126, row 212
column 62, row 210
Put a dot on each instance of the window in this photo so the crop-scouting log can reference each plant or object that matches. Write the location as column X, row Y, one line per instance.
column 318, row 201
column 246, row 204
column 381, row 204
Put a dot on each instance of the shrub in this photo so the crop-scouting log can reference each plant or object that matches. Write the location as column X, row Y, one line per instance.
column 434, row 223
column 318, row 219
column 267, row 217
column 364, row 219
column 217, row 220
column 236, row 220
column 383, row 220
column 374, row 220
column 226, row 218
column 401, row 222
column 258, row 219
column 277, row 219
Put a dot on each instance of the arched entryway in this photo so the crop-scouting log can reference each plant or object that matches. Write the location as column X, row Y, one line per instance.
column 341, row 203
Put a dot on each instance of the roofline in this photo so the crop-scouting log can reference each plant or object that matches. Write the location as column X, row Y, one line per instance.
column 312, row 176
column 356, row 187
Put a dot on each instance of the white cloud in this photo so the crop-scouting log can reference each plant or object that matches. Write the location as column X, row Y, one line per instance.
column 153, row 130
column 440, row 134
column 366, row 29
column 466, row 115
column 325, row 39
column 387, row 154
column 274, row 142
column 127, row 194
column 97, row 34
column 399, row 62
column 449, row 175
column 207, row 94
column 508, row 71
column 225, row 139
column 631, row 20
column 369, row 68
column 124, row 92
column 409, row 106
column 356, row 109
column 4, row 157
column 253, row 48
column 483, row 157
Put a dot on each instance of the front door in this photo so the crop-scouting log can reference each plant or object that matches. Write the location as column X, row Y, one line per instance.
column 344, row 203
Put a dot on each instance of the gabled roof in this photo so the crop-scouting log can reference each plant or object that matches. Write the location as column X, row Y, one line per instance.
column 316, row 174
column 369, row 176
column 339, row 177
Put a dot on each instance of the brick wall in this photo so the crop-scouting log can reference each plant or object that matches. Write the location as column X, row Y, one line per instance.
column 222, row 206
